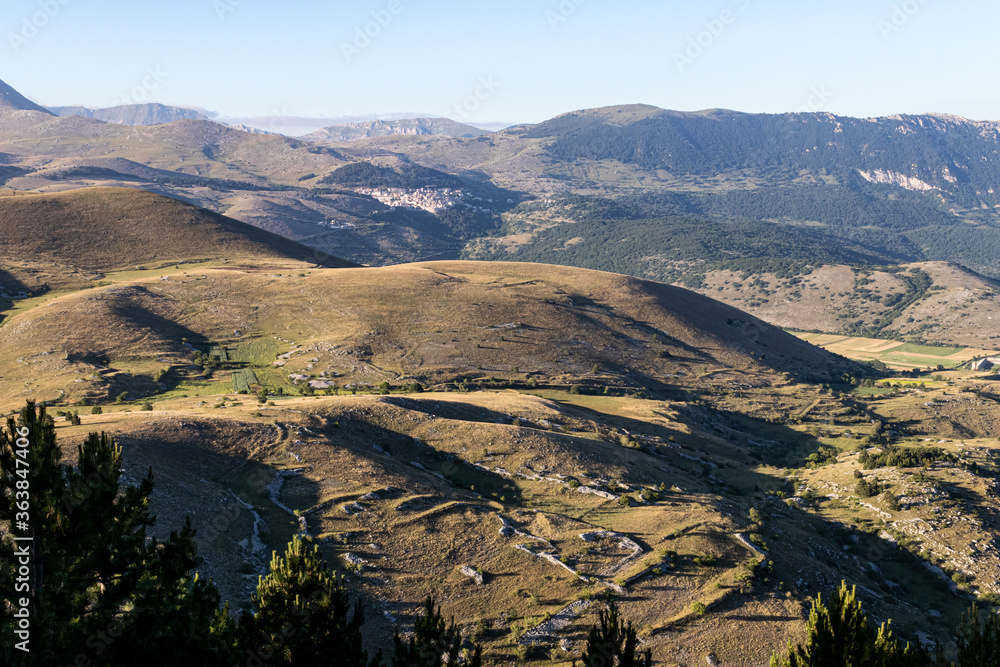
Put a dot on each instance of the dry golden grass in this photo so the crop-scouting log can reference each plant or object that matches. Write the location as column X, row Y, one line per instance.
column 71, row 237
column 715, row 434
column 432, row 323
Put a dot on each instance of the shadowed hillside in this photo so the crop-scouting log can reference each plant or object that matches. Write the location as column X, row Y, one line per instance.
column 81, row 233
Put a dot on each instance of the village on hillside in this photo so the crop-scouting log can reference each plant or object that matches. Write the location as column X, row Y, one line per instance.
column 432, row 200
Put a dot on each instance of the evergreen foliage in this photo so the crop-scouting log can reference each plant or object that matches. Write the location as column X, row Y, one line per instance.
column 613, row 642
column 433, row 644
column 978, row 639
column 839, row 636
column 302, row 614
column 904, row 457
column 101, row 588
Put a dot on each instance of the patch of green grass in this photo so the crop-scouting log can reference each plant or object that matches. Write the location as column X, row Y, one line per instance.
column 257, row 352
column 871, row 391
column 928, row 349
column 242, row 379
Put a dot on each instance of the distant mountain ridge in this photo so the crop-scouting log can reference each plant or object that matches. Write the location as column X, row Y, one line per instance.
column 382, row 128
column 133, row 114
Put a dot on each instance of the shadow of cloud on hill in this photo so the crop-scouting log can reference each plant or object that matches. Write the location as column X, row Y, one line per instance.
column 10, row 284
column 140, row 317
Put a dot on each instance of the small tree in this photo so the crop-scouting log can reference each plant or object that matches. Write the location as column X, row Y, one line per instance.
column 839, row 635
column 613, row 643
column 979, row 639
column 433, row 644
column 302, row 615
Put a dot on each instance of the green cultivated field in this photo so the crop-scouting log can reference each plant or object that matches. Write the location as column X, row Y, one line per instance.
column 895, row 354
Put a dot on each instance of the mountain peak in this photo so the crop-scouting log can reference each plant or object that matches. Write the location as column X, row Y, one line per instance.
column 11, row 100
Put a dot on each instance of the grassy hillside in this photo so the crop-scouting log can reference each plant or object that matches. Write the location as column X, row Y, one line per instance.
column 565, row 432
column 562, row 432
column 403, row 491
column 48, row 241
column 427, row 323
column 932, row 302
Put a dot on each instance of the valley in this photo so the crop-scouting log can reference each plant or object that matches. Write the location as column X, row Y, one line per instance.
column 514, row 438
column 711, row 364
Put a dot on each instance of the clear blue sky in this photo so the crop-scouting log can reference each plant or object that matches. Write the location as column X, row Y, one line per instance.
column 540, row 58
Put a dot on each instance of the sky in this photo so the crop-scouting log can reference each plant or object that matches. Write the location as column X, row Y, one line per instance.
column 510, row 61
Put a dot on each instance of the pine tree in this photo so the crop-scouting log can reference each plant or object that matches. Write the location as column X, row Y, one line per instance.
column 613, row 643
column 303, row 615
column 433, row 644
column 100, row 587
column 978, row 640
column 839, row 636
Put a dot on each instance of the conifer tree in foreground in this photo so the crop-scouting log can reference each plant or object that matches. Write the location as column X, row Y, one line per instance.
column 100, row 587
column 433, row 644
column 978, row 640
column 613, row 643
column 839, row 636
column 302, row 615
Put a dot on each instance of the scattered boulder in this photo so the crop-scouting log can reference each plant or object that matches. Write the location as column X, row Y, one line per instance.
column 472, row 574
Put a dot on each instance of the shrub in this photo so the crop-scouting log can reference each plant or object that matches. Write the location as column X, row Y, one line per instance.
column 706, row 560
column 890, row 501
column 96, row 410
column 698, row 608
column 867, row 489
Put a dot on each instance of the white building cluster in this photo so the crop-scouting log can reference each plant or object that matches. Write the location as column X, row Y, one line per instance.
column 432, row 200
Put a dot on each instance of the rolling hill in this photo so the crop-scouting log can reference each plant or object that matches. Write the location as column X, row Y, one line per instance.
column 562, row 432
column 888, row 190
column 49, row 241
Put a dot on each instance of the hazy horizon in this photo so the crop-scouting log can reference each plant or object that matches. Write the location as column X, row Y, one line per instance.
column 519, row 62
